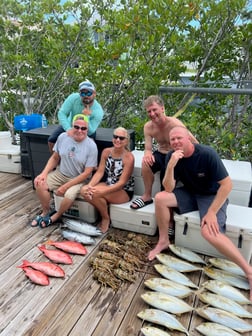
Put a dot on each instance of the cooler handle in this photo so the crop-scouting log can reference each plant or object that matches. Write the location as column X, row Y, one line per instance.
column 240, row 241
column 185, row 228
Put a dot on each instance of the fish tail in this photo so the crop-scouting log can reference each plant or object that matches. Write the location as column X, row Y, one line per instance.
column 49, row 242
column 24, row 264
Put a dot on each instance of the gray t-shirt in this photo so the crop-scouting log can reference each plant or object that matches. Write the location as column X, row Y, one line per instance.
column 75, row 156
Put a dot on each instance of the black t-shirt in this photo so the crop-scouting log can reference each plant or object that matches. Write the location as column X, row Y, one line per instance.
column 200, row 172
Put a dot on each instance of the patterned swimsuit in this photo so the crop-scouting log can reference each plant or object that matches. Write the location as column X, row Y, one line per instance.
column 113, row 171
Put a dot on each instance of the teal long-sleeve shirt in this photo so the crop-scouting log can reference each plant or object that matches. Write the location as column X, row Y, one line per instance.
column 73, row 105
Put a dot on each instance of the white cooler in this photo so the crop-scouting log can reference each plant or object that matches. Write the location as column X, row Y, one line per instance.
column 142, row 220
column 80, row 209
column 10, row 160
column 238, row 229
column 139, row 184
column 241, row 175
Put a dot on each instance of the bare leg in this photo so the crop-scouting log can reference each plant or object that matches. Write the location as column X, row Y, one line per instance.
column 102, row 206
column 163, row 202
column 148, row 179
column 225, row 246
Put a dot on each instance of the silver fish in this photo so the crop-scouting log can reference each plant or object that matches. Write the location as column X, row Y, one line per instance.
column 186, row 254
column 215, row 329
column 227, row 265
column 162, row 318
column 223, row 317
column 82, row 227
column 166, row 302
column 176, row 263
column 171, row 274
column 153, row 331
column 168, row 287
column 224, row 289
column 224, row 303
column 78, row 237
column 233, row 280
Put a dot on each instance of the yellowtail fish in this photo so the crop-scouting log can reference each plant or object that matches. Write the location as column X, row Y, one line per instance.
column 166, row 302
column 227, row 265
column 224, row 303
column 176, row 263
column 215, row 329
column 153, row 331
column 162, row 318
column 186, row 254
column 233, row 280
column 225, row 318
column 171, row 274
column 168, row 287
column 224, row 289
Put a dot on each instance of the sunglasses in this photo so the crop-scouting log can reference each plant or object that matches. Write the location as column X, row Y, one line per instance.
column 119, row 137
column 86, row 94
column 83, row 128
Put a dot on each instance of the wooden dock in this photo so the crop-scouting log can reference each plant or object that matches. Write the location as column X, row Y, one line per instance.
column 76, row 305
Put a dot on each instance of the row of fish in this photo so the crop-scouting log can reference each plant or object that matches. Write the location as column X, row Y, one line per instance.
column 39, row 272
column 79, row 231
column 224, row 302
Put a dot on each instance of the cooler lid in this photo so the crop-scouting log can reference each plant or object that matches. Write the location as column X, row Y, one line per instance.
column 240, row 173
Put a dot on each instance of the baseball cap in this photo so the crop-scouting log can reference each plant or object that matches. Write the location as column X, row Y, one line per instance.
column 81, row 117
column 86, row 85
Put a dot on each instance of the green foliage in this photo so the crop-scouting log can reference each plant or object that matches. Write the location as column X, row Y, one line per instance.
column 129, row 48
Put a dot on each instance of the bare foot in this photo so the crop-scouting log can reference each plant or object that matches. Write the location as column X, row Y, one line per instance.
column 249, row 275
column 158, row 248
column 104, row 225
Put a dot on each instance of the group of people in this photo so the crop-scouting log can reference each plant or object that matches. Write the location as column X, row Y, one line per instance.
column 192, row 175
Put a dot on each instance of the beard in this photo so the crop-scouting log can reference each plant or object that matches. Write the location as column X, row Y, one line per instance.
column 87, row 100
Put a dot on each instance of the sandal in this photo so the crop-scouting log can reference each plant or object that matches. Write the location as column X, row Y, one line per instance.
column 45, row 222
column 37, row 221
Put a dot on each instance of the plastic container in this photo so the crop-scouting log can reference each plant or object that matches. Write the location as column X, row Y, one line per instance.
column 25, row 122
column 44, row 121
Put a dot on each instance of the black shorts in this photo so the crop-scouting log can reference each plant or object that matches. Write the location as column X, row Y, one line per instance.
column 188, row 202
column 159, row 165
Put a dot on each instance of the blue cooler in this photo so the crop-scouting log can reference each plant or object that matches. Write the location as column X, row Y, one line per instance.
column 24, row 122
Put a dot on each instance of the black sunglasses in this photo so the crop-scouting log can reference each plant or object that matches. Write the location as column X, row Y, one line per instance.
column 83, row 128
column 86, row 94
column 119, row 137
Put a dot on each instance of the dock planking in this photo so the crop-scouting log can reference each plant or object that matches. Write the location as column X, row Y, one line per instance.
column 73, row 306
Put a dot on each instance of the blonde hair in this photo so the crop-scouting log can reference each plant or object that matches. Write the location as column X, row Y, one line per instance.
column 122, row 129
column 81, row 117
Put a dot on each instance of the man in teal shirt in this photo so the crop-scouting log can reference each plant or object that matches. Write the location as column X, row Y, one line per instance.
column 82, row 102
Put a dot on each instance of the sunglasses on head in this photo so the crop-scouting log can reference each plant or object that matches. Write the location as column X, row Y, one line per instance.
column 119, row 137
column 86, row 94
column 83, row 128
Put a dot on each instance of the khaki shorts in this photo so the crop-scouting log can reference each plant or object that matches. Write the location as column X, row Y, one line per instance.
column 55, row 179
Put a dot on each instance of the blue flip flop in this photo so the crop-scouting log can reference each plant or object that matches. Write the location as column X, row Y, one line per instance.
column 38, row 220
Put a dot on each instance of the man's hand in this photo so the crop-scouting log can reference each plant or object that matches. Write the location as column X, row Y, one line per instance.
column 210, row 220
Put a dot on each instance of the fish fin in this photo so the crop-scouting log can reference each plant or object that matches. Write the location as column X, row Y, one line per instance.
column 24, row 264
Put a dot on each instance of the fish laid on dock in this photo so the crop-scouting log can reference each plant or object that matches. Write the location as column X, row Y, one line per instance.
column 171, row 274
column 78, row 237
column 176, row 263
column 224, row 303
column 56, row 255
column 169, row 287
column 68, row 246
column 233, row 280
column 223, row 317
column 227, row 265
column 215, row 329
column 186, row 254
column 82, row 227
column 162, row 318
column 47, row 268
column 153, row 331
column 36, row 277
column 224, row 289
column 168, row 303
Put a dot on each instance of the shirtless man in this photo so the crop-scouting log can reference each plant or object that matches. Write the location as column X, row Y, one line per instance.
column 158, row 129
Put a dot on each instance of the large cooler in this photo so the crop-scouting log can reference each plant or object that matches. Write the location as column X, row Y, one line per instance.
column 10, row 161
column 241, row 175
column 80, row 209
column 238, row 229
column 142, row 220
column 139, row 184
